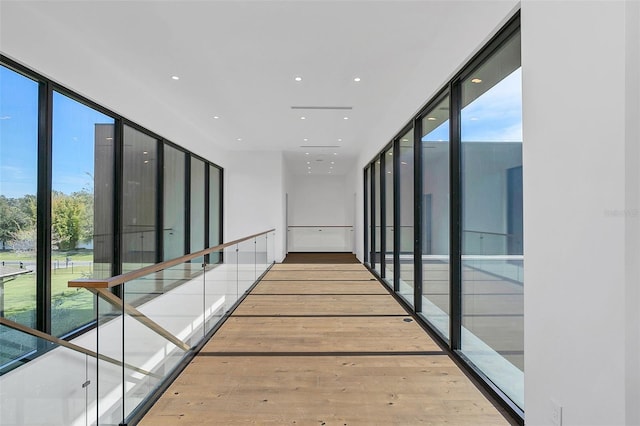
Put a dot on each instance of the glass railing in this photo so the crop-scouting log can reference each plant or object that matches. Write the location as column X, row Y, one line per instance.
column 500, row 255
column 320, row 238
column 150, row 322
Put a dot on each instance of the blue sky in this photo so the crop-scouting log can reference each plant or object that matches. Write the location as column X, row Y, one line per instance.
column 496, row 116
column 18, row 134
column 73, row 138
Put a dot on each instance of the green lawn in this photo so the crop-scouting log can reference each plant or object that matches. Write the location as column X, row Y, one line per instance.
column 71, row 307
column 78, row 255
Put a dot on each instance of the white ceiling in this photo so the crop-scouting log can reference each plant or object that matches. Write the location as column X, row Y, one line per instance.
column 238, row 59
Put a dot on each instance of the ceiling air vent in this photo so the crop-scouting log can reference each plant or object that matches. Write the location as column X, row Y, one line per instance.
column 323, row 107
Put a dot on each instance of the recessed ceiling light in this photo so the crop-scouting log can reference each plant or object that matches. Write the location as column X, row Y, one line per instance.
column 431, row 118
column 305, row 139
column 329, row 172
column 333, row 162
column 298, row 78
column 109, row 139
column 306, row 153
column 146, row 161
column 145, row 152
column 388, row 173
column 346, row 118
column 405, row 140
column 239, row 139
column 476, row 80
column 303, row 118
column 309, row 167
column 403, row 162
column 331, row 167
column 391, row 153
column 308, row 162
column 175, row 77
column 339, row 140
column 216, row 117
column 356, row 79
column 335, row 153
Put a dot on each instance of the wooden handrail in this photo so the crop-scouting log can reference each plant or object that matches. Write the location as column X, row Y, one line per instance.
column 138, row 273
column 60, row 342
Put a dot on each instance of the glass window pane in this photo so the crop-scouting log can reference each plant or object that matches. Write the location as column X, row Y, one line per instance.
column 376, row 218
column 435, row 216
column 367, row 214
column 388, row 210
column 174, row 203
column 492, row 257
column 197, row 206
column 18, row 189
column 81, row 209
column 215, row 202
column 139, row 200
column 405, row 174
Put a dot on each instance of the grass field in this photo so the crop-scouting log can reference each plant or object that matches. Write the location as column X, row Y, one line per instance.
column 77, row 255
column 71, row 307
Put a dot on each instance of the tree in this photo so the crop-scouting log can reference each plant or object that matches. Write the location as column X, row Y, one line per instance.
column 85, row 198
column 66, row 220
column 16, row 215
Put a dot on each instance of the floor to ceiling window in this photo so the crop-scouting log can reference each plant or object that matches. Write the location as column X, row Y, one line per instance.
column 377, row 234
column 406, row 212
column 173, row 240
column 139, row 190
column 367, row 215
column 81, row 208
column 388, row 216
column 435, row 216
column 18, row 218
column 74, row 180
column 461, row 216
column 215, row 211
column 197, row 202
column 492, row 234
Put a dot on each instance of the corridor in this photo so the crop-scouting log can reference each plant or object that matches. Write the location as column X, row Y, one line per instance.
column 322, row 344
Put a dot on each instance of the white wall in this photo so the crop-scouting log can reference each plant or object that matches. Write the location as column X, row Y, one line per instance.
column 319, row 201
column 354, row 181
column 254, row 196
column 581, row 347
column 632, row 210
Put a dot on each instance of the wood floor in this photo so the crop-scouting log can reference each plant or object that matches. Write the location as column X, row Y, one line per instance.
column 327, row 258
column 321, row 345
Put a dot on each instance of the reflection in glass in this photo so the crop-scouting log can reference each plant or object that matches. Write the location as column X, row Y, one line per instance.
column 367, row 214
column 376, row 217
column 492, row 257
column 405, row 174
column 139, row 200
column 388, row 211
column 81, row 208
column 215, row 201
column 197, row 207
column 18, row 188
column 435, row 216
column 174, row 203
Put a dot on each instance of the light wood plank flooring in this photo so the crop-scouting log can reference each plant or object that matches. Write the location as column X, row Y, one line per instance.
column 321, row 346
